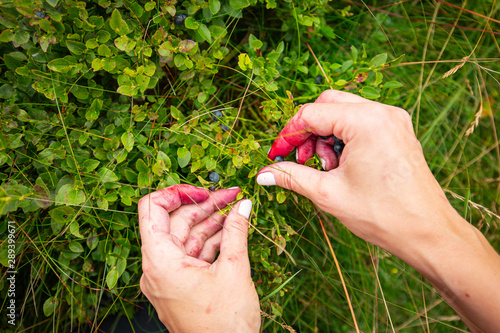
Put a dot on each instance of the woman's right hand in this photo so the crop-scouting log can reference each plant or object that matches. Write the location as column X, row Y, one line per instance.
column 383, row 191
column 380, row 187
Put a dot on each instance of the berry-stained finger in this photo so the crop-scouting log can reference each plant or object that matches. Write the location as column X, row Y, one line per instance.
column 306, row 150
column 154, row 220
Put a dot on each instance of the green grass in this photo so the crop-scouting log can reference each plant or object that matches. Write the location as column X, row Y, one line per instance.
column 442, row 110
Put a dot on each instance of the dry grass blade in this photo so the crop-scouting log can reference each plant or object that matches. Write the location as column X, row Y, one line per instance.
column 456, row 68
column 320, row 66
column 338, row 269
column 380, row 286
column 477, row 206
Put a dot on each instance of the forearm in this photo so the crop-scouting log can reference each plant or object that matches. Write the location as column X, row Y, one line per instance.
column 465, row 269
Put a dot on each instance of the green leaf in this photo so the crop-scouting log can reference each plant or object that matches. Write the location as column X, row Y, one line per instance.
column 370, row 93
column 281, row 197
column 74, row 229
column 378, row 60
column 68, row 194
column 244, row 62
column 393, row 84
column 186, row 45
column 42, row 196
column 118, row 24
column 239, row 4
column 128, row 141
column 90, row 165
column 205, row 33
column 112, row 278
column 61, row 65
column 141, row 166
column 75, row 47
column 76, row 247
column 6, row 36
column 49, row 306
column 214, row 6
column 6, row 91
column 104, row 51
column 107, row 176
column 103, row 36
column 60, row 217
column 121, row 43
column 149, row 6
column 191, row 23
column 183, row 156
column 143, row 179
column 20, row 37
column 165, row 159
column 176, row 114
column 97, row 64
column 256, row 44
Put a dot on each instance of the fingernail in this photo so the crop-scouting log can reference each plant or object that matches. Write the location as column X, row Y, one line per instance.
column 233, row 188
column 245, row 208
column 323, row 163
column 266, row 179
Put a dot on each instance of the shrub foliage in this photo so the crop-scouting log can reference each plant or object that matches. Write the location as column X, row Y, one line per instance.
column 104, row 101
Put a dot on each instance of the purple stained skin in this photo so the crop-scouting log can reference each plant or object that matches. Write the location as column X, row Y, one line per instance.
column 297, row 134
column 187, row 194
column 292, row 135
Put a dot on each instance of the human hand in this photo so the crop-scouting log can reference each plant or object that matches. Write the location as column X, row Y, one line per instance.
column 380, row 187
column 181, row 231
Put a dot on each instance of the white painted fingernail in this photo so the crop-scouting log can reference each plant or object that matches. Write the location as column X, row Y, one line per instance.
column 233, row 188
column 266, row 179
column 245, row 208
column 323, row 163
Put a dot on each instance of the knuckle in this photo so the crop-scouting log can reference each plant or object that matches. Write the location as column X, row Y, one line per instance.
column 328, row 94
column 239, row 224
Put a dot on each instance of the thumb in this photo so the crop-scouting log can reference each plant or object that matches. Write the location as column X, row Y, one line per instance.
column 311, row 183
column 233, row 246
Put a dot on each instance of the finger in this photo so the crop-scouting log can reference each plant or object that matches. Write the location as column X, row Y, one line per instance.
column 321, row 119
column 337, row 96
column 319, row 186
column 154, row 222
column 306, row 150
column 211, row 248
column 202, row 232
column 233, row 247
column 326, row 155
column 184, row 218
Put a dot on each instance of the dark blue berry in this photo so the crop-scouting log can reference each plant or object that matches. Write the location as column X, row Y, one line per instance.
column 179, row 19
column 336, row 140
column 225, row 128
column 279, row 159
column 216, row 115
column 40, row 14
column 214, row 177
column 325, row 137
column 338, row 147
column 319, row 79
column 212, row 188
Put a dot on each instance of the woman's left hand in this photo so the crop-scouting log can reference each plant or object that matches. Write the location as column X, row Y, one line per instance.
column 182, row 230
